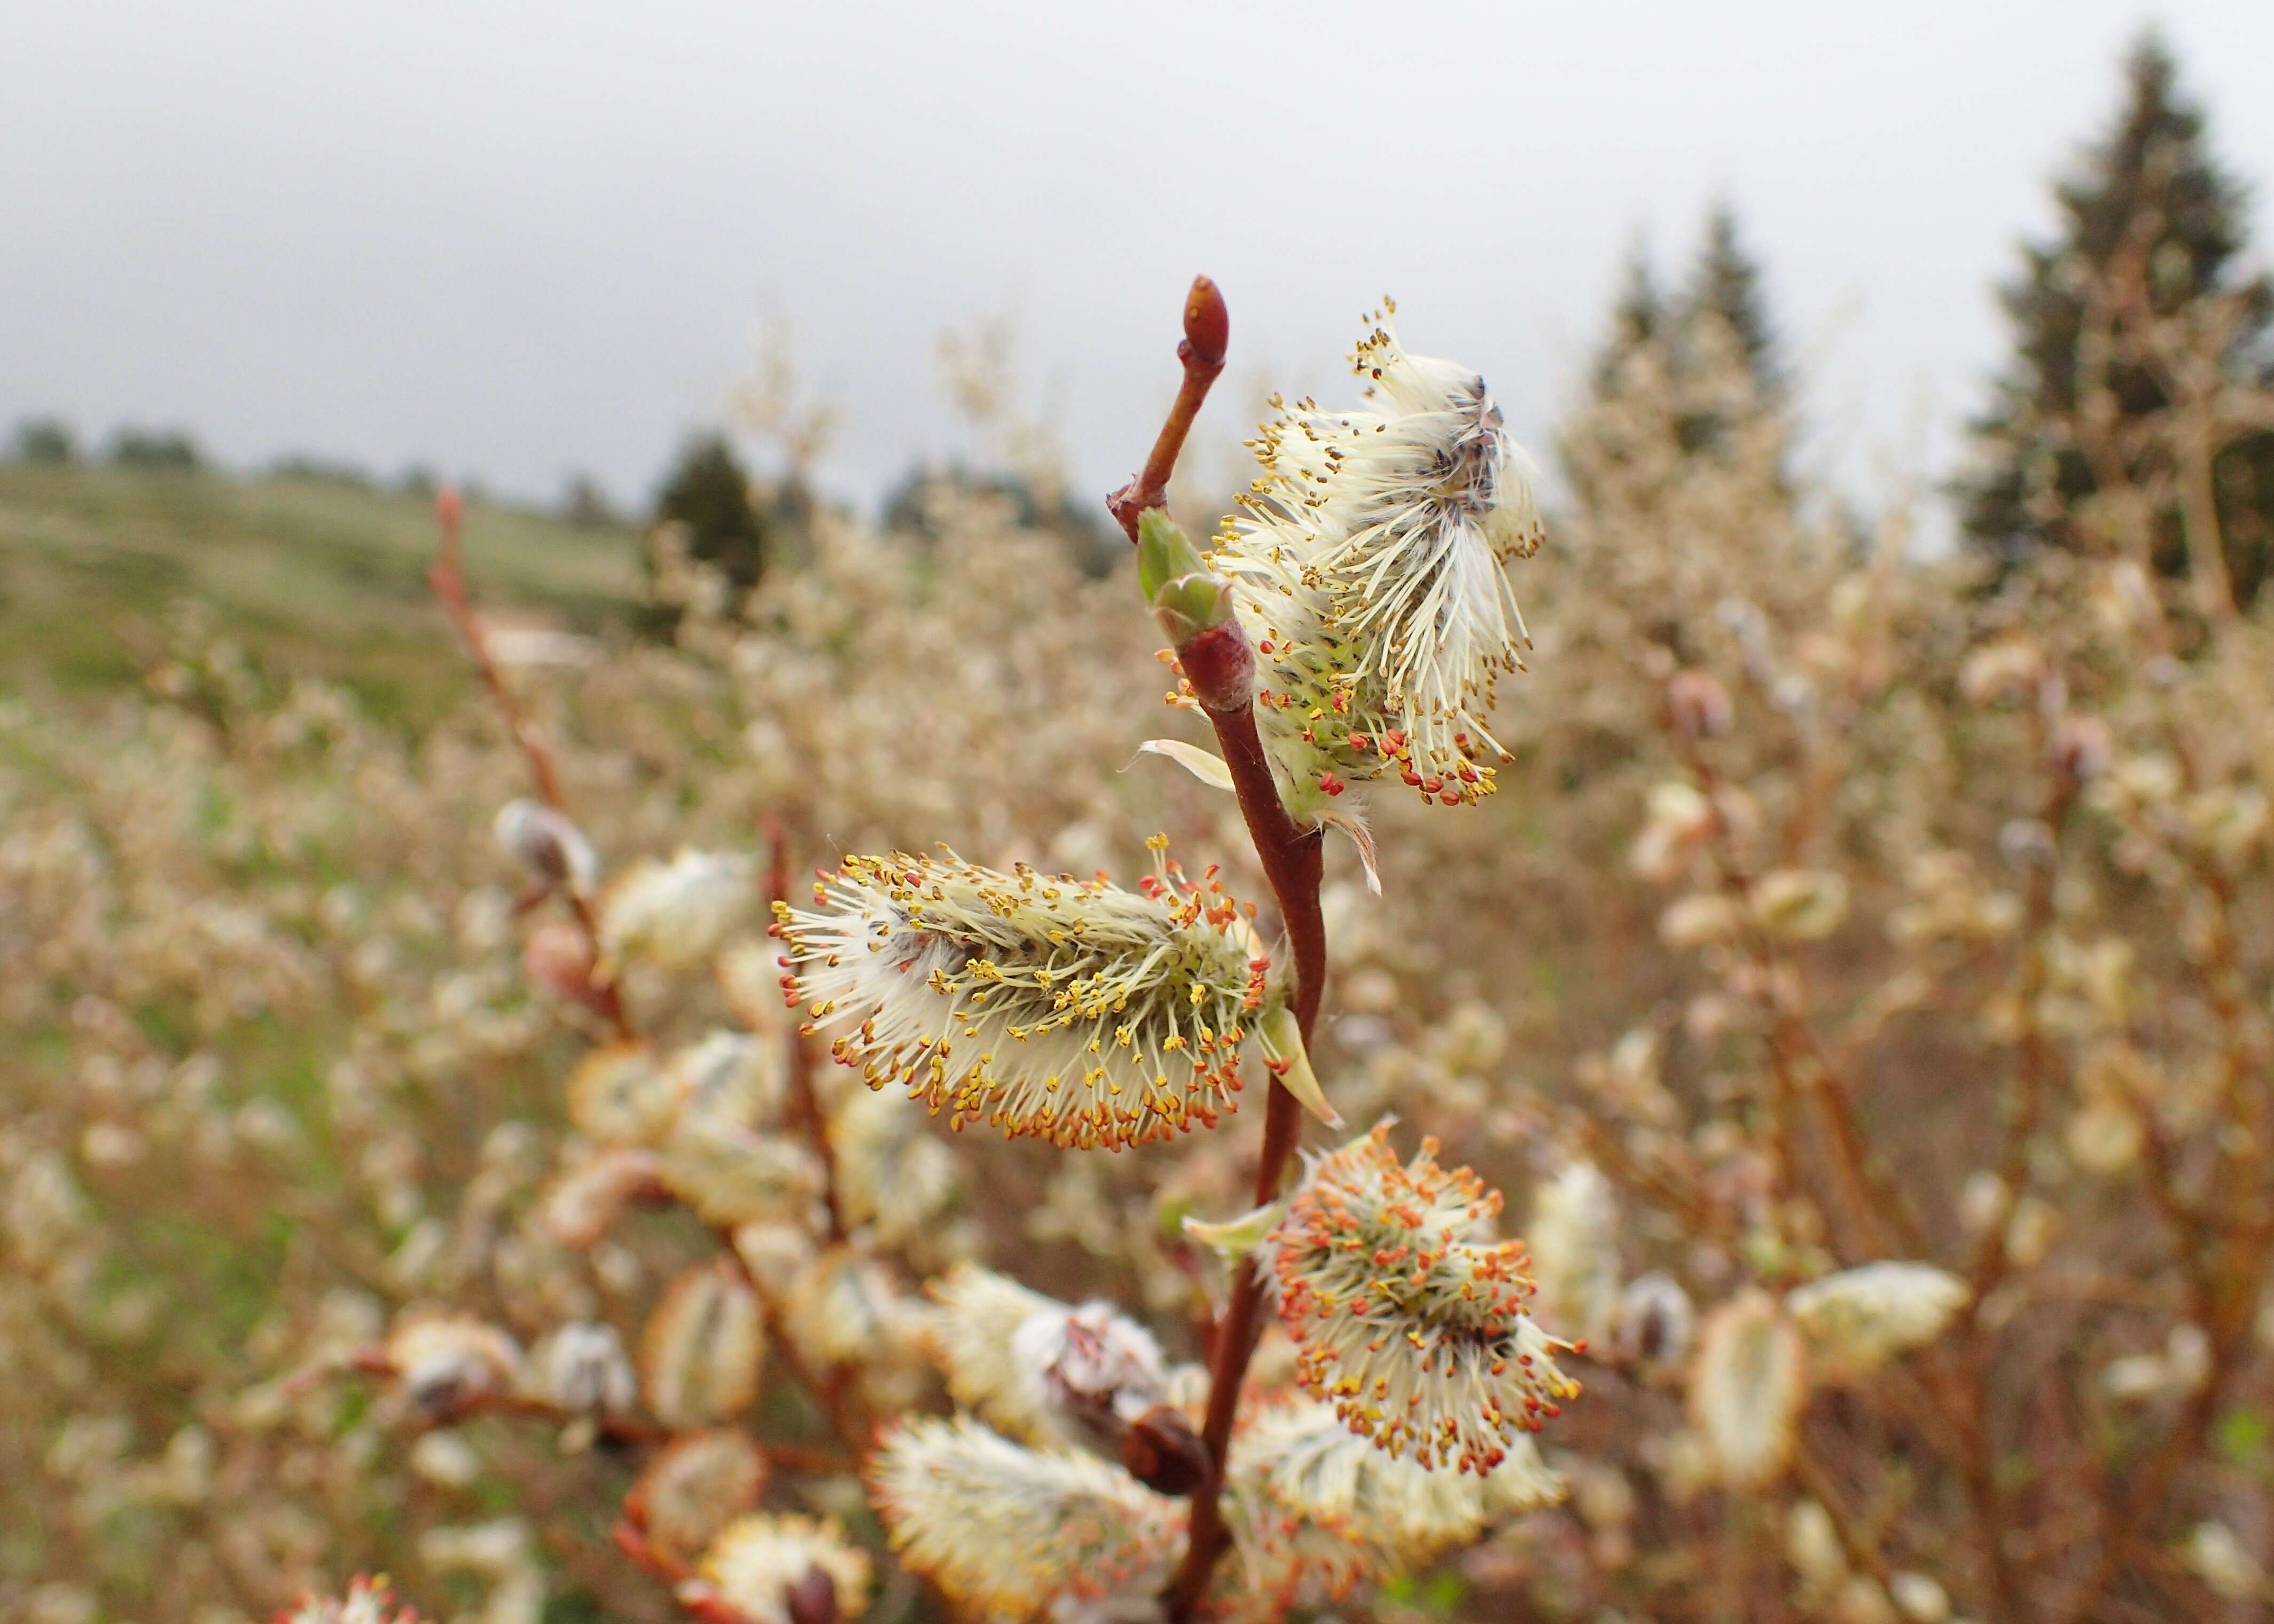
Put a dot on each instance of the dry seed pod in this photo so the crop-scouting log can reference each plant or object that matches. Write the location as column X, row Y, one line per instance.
column 701, row 1352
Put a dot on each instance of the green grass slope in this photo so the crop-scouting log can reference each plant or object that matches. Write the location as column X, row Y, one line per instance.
column 316, row 575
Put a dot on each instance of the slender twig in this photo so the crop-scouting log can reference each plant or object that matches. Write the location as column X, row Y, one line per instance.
column 447, row 577
column 1291, row 861
column 1207, row 330
column 1875, row 1198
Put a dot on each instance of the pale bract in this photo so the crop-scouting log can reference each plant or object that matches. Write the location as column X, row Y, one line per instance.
column 1066, row 1009
column 1370, row 557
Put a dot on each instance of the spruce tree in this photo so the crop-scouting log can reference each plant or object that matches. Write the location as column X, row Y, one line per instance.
column 1726, row 282
column 1686, row 374
column 2150, row 189
column 1637, row 316
column 709, row 491
column 1720, row 326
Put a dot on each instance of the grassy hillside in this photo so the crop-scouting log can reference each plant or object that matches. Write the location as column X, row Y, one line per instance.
column 320, row 575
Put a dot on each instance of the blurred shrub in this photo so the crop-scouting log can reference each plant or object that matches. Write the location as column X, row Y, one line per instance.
column 708, row 494
column 167, row 450
column 46, row 440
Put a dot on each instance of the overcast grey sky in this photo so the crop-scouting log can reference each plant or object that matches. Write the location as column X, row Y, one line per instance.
column 519, row 239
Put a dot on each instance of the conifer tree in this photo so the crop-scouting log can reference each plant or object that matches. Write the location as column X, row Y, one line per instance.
column 1638, row 315
column 2151, row 238
column 709, row 491
column 1675, row 378
column 1726, row 282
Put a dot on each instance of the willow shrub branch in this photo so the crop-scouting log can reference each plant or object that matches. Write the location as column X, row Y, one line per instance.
column 1216, row 659
column 446, row 577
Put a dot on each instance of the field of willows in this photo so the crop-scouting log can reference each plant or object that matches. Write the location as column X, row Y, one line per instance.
column 784, row 1088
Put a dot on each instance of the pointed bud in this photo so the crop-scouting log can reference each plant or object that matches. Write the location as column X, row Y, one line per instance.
column 1164, row 553
column 1187, row 606
column 1195, row 609
column 1208, row 323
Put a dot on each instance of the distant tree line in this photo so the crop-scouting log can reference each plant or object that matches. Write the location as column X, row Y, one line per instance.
column 2145, row 204
column 2147, row 195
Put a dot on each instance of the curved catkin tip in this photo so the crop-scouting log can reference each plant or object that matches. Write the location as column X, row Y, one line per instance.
column 1208, row 323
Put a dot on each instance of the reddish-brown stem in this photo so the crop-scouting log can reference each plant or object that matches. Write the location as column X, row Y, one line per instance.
column 447, row 578
column 802, row 1093
column 827, row 1386
column 1207, row 330
column 1292, row 859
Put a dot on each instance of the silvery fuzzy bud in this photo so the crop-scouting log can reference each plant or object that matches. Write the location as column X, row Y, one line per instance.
column 1092, row 1371
column 702, row 1347
column 585, row 1368
column 1746, row 1389
column 764, row 1568
column 449, row 1362
column 548, row 844
column 1655, row 1321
